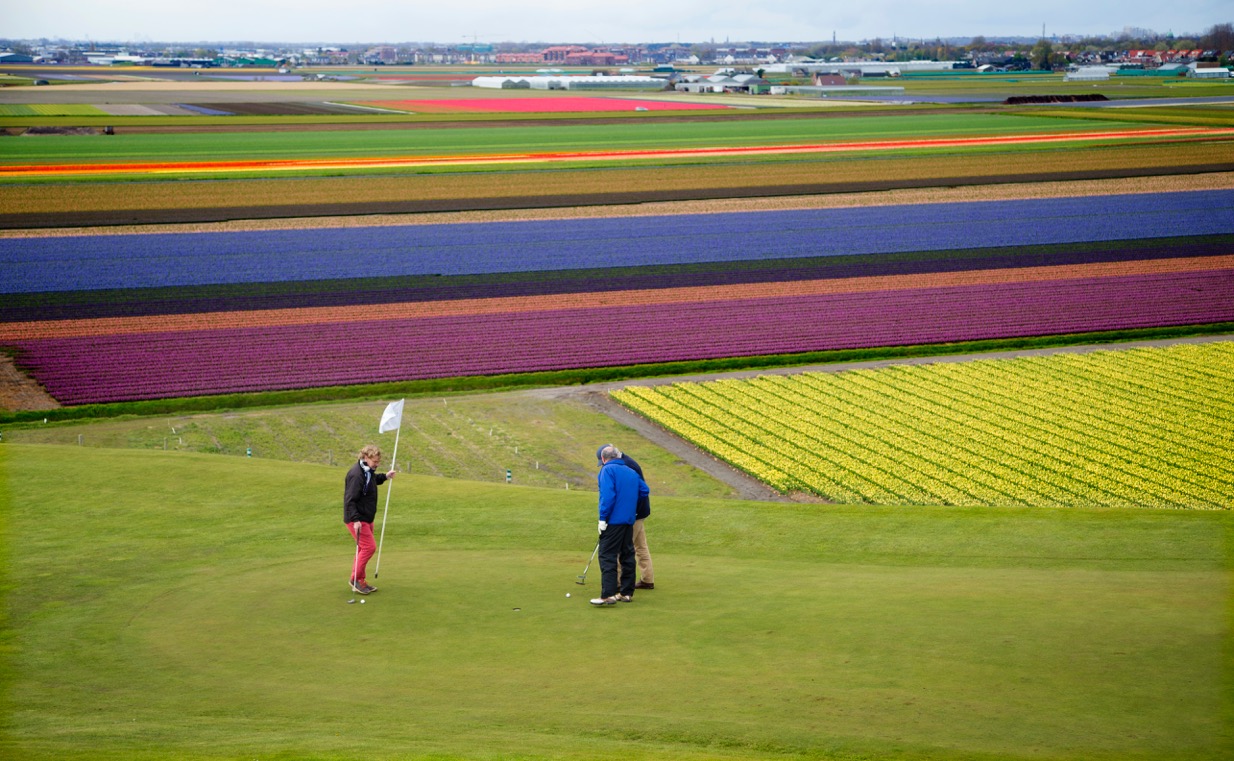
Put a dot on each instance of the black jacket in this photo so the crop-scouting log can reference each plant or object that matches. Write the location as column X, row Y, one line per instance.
column 644, row 501
column 359, row 500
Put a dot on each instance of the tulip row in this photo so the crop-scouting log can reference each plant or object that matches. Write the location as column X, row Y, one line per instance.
column 57, row 264
column 1114, row 428
column 362, row 292
column 115, row 367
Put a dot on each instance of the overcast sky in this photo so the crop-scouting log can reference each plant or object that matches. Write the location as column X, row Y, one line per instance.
column 578, row 21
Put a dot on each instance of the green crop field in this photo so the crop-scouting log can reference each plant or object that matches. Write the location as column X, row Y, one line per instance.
column 525, row 139
column 174, row 605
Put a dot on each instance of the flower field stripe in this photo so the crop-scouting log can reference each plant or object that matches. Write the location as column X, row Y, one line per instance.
column 1072, row 448
column 1154, row 446
column 68, row 305
column 394, row 162
column 940, row 428
column 596, row 300
column 38, row 264
column 945, row 479
column 541, row 105
column 184, row 363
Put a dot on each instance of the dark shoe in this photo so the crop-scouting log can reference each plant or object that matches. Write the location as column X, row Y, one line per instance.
column 644, row 585
column 368, row 589
column 598, row 601
column 359, row 587
column 625, row 598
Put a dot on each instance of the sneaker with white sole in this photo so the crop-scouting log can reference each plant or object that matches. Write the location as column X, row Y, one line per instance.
column 625, row 598
column 597, row 601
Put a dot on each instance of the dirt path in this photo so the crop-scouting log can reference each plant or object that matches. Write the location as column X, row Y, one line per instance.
column 19, row 392
column 596, row 396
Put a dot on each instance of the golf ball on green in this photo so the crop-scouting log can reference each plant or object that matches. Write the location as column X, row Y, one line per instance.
column 567, row 594
column 362, row 602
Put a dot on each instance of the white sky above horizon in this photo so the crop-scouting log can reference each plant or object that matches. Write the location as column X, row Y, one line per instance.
column 570, row 21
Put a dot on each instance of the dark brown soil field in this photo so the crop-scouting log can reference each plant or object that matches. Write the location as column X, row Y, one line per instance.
column 279, row 109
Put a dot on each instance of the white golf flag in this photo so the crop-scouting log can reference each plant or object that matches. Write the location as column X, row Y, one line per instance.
column 392, row 418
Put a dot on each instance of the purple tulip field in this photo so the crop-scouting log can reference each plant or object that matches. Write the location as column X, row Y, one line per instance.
column 578, row 293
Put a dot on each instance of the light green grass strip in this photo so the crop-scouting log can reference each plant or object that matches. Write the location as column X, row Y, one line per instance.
column 51, row 109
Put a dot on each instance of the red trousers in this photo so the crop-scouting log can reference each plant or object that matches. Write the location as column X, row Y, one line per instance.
column 366, row 545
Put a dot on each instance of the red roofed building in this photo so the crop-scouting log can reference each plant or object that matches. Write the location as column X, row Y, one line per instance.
column 558, row 53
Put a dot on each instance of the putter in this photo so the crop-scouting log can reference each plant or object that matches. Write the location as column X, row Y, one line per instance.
column 582, row 577
column 350, row 584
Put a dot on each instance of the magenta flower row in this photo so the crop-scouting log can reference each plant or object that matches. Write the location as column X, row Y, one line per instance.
column 190, row 363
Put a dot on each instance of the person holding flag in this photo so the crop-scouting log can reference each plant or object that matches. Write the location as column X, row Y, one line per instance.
column 360, row 500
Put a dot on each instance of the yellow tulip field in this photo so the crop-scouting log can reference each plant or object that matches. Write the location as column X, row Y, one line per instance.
column 1143, row 427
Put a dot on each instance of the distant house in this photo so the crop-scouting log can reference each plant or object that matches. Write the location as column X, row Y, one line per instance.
column 829, row 80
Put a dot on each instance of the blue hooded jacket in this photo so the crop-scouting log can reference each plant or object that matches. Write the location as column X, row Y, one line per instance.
column 620, row 489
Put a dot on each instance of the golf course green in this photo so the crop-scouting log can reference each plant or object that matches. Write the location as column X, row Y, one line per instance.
column 194, row 606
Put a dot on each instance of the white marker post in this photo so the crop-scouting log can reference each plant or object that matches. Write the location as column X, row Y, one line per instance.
column 391, row 420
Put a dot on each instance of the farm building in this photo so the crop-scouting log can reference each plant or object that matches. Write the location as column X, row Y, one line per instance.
column 1088, row 74
column 858, row 68
column 749, row 83
column 1211, row 71
column 565, row 82
column 850, row 92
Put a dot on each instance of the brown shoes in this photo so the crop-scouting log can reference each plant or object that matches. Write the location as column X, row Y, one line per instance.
column 644, row 585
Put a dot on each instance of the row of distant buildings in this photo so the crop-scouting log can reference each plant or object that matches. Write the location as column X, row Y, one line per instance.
column 378, row 55
column 554, row 55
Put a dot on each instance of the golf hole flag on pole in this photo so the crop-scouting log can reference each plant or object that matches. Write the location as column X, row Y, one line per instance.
column 391, row 420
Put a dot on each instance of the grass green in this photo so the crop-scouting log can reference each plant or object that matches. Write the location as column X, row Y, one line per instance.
column 173, row 605
column 541, row 440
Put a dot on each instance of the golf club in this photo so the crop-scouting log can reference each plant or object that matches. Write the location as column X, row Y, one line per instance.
column 582, row 577
column 351, row 583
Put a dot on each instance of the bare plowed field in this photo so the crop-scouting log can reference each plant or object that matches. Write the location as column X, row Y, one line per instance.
column 281, row 109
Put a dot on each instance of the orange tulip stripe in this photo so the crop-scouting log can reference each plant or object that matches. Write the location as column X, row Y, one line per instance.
column 411, row 162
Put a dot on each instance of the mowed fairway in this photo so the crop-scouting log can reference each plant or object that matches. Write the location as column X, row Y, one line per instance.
column 174, row 605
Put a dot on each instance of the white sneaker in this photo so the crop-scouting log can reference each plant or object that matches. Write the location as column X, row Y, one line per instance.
column 604, row 601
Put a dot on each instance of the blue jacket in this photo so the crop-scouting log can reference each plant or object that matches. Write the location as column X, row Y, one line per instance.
column 620, row 489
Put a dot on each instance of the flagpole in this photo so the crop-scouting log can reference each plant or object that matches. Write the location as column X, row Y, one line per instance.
column 390, row 488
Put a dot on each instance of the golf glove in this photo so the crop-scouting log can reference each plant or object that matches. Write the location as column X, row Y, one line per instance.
column 603, row 525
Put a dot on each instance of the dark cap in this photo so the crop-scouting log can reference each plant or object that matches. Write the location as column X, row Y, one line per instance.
column 600, row 460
